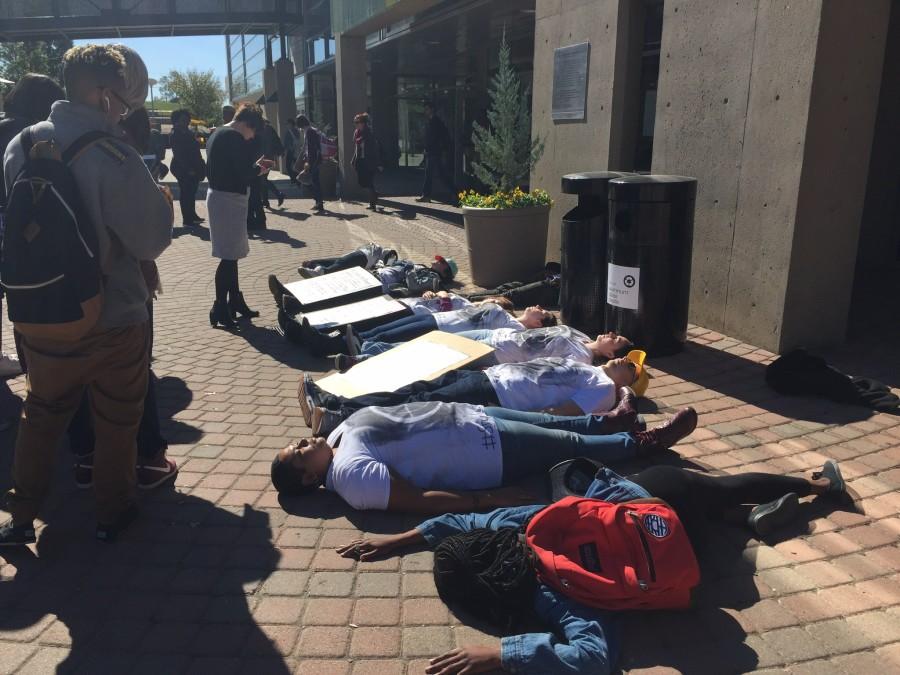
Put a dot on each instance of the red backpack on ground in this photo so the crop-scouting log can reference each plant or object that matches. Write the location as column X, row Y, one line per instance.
column 614, row 556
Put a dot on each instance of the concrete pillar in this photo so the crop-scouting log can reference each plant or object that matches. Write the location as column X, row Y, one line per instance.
column 350, row 76
column 576, row 145
column 771, row 106
column 270, row 87
column 287, row 104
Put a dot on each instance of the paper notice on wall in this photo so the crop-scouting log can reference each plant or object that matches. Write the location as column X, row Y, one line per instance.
column 623, row 286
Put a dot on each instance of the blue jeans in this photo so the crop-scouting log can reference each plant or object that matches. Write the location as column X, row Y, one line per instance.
column 534, row 442
column 401, row 330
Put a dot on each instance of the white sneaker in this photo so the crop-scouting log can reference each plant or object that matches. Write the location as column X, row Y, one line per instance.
column 10, row 366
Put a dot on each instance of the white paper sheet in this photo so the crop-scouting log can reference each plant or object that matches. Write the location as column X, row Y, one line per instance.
column 328, row 286
column 354, row 312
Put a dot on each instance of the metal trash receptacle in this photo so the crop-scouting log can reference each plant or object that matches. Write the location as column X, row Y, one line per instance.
column 582, row 293
column 651, row 228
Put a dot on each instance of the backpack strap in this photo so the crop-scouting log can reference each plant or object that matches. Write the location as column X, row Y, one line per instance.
column 27, row 141
column 82, row 143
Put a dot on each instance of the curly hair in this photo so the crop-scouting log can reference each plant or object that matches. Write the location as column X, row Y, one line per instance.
column 488, row 573
column 91, row 65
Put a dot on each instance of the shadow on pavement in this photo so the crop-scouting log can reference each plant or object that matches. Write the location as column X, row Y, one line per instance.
column 744, row 380
column 447, row 214
column 172, row 396
column 172, row 592
column 268, row 340
column 276, row 237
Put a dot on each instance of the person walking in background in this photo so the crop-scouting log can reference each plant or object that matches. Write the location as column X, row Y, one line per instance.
column 132, row 221
column 188, row 166
column 311, row 158
column 437, row 141
column 366, row 157
column 272, row 148
column 27, row 103
column 232, row 169
column 227, row 113
column 291, row 146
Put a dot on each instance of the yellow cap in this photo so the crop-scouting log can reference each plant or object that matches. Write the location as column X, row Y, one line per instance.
column 636, row 356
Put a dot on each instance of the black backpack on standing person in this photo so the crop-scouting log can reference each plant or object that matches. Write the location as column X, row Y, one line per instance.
column 49, row 265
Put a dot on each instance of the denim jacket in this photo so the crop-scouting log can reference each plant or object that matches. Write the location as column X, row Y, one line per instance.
column 583, row 639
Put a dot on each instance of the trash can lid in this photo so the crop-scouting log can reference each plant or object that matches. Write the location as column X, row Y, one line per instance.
column 653, row 188
column 589, row 182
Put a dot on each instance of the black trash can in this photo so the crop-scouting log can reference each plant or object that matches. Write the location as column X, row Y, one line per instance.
column 582, row 292
column 651, row 229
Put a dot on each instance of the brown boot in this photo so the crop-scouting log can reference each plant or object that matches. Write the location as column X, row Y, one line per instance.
column 662, row 438
column 622, row 418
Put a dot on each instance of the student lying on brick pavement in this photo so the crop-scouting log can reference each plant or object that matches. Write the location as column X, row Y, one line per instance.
column 297, row 328
column 572, row 574
column 433, row 457
column 554, row 385
column 512, row 346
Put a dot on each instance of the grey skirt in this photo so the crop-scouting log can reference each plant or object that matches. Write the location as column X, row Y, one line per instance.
column 228, row 224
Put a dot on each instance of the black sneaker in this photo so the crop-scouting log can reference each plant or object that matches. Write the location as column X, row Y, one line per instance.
column 832, row 472
column 766, row 518
column 17, row 535
column 277, row 289
column 344, row 362
column 109, row 532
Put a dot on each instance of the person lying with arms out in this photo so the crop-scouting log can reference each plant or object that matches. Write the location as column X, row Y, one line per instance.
column 567, row 572
column 554, row 385
column 435, row 457
column 518, row 346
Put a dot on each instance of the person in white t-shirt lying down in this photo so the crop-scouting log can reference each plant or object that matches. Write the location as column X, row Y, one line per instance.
column 517, row 346
column 554, row 385
column 433, row 457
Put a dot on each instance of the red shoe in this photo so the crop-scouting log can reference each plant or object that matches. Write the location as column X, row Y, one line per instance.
column 155, row 472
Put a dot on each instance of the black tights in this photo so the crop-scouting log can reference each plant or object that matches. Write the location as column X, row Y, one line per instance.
column 698, row 497
column 226, row 280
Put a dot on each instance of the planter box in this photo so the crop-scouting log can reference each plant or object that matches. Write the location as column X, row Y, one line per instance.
column 506, row 244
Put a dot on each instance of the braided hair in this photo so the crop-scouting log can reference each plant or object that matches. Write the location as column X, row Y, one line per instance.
column 488, row 573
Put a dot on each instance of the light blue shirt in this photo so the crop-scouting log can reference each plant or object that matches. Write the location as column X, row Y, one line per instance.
column 591, row 643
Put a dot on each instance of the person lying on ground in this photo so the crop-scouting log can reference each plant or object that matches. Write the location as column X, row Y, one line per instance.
column 434, row 457
column 484, row 566
column 297, row 329
column 398, row 277
column 544, row 291
column 553, row 385
column 486, row 316
column 513, row 346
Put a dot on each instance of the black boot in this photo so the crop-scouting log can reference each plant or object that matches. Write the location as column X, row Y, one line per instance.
column 238, row 306
column 219, row 315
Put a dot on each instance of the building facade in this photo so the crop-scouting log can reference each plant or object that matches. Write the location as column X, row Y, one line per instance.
column 784, row 112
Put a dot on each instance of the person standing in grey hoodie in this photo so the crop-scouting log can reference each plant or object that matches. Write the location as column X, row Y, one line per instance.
column 133, row 219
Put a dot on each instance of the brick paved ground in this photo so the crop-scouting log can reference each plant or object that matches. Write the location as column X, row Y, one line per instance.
column 220, row 577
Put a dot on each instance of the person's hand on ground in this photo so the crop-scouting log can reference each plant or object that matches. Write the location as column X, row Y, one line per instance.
column 367, row 549
column 466, row 660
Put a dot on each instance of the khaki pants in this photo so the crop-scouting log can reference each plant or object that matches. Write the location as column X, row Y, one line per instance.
column 113, row 365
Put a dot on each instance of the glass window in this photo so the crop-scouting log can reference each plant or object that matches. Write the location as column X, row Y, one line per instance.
column 254, row 80
column 299, row 87
column 256, row 62
column 331, row 47
column 276, row 49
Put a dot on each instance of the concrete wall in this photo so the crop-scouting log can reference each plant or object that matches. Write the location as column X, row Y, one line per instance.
column 582, row 145
column 759, row 101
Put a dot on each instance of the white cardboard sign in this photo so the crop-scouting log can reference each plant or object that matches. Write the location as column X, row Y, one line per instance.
column 335, row 285
column 623, row 285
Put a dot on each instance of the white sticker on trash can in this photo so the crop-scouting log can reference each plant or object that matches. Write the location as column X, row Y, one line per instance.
column 623, row 286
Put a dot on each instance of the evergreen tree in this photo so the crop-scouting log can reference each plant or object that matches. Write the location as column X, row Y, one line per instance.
column 506, row 150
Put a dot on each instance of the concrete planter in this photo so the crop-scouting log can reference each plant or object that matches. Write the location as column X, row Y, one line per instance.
column 506, row 244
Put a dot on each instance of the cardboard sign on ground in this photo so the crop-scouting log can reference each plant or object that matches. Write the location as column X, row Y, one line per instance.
column 377, row 311
column 338, row 288
column 424, row 358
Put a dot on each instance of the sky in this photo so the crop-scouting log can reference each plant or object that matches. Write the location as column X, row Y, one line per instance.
column 162, row 54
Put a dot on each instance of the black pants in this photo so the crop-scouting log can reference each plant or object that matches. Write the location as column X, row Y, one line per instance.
column 543, row 293
column 344, row 262
column 269, row 185
column 459, row 386
column 256, row 215
column 433, row 164
column 187, row 195
column 698, row 497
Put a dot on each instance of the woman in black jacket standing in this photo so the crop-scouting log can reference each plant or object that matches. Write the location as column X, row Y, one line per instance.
column 232, row 167
column 188, row 166
column 366, row 157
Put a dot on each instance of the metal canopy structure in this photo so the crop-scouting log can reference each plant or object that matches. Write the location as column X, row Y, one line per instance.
column 87, row 19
